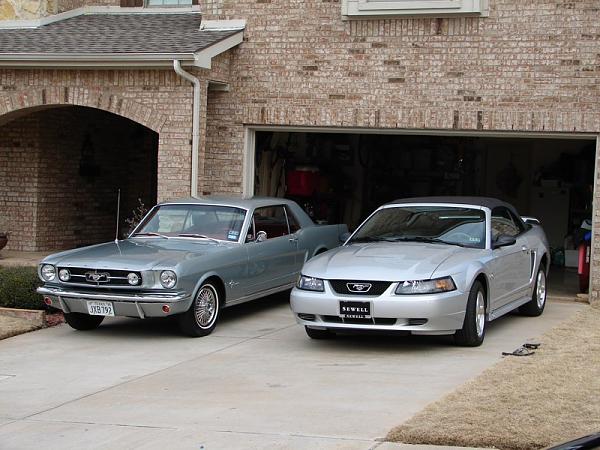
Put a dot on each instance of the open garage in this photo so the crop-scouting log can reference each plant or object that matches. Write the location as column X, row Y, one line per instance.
column 342, row 177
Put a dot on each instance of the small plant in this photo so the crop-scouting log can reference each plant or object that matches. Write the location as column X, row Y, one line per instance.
column 17, row 288
column 137, row 215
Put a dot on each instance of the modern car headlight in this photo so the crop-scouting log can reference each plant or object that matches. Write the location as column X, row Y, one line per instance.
column 64, row 275
column 445, row 284
column 168, row 279
column 310, row 284
column 133, row 279
column 48, row 272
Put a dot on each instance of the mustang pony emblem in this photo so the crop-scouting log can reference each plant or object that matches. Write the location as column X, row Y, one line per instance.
column 96, row 277
column 359, row 287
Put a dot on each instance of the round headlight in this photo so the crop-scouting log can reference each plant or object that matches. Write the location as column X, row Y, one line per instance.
column 133, row 279
column 168, row 279
column 48, row 272
column 64, row 275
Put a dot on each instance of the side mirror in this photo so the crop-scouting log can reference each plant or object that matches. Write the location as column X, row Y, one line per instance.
column 261, row 236
column 503, row 241
column 344, row 237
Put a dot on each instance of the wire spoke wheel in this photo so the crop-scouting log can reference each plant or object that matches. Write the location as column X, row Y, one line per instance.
column 201, row 318
column 205, row 306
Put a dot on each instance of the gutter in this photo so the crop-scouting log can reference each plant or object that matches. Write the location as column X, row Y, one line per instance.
column 195, row 123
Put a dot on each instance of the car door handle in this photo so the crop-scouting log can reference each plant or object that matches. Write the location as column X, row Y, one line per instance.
column 524, row 249
column 293, row 239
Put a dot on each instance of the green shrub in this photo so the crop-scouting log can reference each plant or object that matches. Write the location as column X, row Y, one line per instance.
column 17, row 288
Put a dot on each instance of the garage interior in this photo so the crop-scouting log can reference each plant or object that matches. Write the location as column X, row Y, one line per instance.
column 342, row 177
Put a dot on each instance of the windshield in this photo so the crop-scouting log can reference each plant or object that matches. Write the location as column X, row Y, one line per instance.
column 194, row 221
column 439, row 224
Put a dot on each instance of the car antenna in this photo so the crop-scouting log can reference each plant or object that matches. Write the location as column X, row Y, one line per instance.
column 118, row 211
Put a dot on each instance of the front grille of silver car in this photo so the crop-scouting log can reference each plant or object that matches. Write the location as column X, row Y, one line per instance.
column 354, row 287
column 109, row 277
column 359, row 321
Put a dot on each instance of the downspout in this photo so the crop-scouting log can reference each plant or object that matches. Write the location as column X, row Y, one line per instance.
column 195, row 122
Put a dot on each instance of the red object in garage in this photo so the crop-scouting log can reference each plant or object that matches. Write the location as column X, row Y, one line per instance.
column 583, row 268
column 302, row 181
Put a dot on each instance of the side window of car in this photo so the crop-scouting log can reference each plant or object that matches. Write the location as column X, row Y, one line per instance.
column 517, row 221
column 503, row 223
column 271, row 220
column 292, row 221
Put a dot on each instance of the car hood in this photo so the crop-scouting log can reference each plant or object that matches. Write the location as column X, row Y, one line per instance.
column 137, row 254
column 380, row 261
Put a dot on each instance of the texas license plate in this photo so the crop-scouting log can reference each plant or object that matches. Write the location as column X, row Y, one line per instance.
column 100, row 308
column 355, row 310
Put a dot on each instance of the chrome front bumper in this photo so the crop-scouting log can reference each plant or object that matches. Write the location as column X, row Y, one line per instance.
column 417, row 314
column 131, row 305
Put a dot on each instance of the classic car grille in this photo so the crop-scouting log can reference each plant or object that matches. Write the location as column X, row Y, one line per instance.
column 353, row 287
column 103, row 277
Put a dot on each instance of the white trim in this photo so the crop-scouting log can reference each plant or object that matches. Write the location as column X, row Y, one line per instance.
column 594, row 220
column 222, row 25
column 427, row 132
column 203, row 58
column 369, row 9
column 87, row 10
column 249, row 162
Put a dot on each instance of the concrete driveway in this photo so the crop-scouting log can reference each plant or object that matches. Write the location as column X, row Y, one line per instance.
column 257, row 382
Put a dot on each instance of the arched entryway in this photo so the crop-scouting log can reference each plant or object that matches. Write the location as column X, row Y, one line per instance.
column 60, row 170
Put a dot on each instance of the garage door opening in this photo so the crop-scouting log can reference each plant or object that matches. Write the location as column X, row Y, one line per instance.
column 342, row 177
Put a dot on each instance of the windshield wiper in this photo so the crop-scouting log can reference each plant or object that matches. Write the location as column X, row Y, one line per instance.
column 200, row 236
column 151, row 233
column 372, row 239
column 428, row 240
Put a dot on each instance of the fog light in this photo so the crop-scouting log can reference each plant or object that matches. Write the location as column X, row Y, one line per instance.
column 166, row 309
column 133, row 279
column 48, row 301
column 64, row 275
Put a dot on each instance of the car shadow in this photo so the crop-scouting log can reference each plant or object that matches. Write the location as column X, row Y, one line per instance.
column 131, row 327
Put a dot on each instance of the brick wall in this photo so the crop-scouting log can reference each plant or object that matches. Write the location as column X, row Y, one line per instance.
column 529, row 66
column 49, row 203
column 158, row 100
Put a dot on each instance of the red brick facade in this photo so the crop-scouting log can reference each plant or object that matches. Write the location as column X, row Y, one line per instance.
column 529, row 66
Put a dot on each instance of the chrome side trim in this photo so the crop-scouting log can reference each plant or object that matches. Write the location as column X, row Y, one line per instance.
column 166, row 297
column 263, row 293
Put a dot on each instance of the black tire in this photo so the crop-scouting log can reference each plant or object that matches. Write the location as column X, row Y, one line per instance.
column 315, row 333
column 83, row 322
column 536, row 305
column 201, row 318
column 472, row 332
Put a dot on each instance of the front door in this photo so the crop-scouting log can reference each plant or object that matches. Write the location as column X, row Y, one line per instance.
column 271, row 262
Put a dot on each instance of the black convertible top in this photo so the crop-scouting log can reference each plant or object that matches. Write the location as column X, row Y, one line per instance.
column 488, row 202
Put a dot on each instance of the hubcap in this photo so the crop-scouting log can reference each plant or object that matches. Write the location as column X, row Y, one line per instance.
column 540, row 292
column 480, row 313
column 205, row 306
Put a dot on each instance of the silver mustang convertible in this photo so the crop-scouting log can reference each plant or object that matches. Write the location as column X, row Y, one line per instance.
column 191, row 258
column 433, row 265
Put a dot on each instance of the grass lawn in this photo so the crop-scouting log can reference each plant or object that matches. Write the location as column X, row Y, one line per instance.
column 522, row 403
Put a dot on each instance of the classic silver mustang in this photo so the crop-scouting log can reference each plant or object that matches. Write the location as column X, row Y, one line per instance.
column 433, row 265
column 190, row 257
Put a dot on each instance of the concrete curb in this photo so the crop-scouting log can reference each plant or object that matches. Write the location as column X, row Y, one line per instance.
column 34, row 317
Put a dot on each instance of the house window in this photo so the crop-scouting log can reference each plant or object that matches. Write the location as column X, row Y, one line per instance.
column 157, row 3
column 386, row 8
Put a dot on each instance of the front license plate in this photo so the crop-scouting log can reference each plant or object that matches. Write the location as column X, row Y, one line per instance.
column 100, row 308
column 355, row 310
